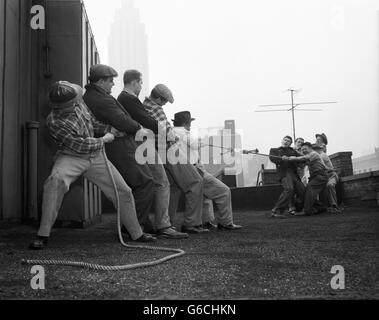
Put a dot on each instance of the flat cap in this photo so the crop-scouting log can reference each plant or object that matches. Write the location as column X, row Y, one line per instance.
column 101, row 71
column 64, row 91
column 164, row 92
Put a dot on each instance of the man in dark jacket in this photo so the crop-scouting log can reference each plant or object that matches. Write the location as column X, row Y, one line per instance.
column 122, row 151
column 288, row 176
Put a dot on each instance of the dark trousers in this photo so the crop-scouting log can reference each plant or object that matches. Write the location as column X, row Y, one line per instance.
column 315, row 185
column 291, row 185
column 139, row 178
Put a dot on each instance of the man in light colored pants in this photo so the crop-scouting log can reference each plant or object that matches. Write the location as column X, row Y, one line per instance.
column 66, row 170
column 213, row 189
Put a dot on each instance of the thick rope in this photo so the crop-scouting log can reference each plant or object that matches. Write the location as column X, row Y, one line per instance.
column 94, row 266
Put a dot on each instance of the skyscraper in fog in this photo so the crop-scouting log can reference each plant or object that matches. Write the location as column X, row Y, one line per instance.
column 127, row 46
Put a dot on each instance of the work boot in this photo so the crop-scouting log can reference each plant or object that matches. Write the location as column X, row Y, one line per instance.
column 170, row 233
column 277, row 214
column 146, row 238
column 334, row 209
column 209, row 225
column 39, row 243
column 229, row 227
column 194, row 229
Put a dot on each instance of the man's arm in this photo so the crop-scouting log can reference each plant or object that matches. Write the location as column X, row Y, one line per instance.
column 109, row 112
column 303, row 158
column 138, row 113
column 66, row 134
column 274, row 152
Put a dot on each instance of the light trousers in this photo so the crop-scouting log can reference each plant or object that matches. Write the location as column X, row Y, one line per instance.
column 185, row 178
column 162, row 194
column 66, row 170
column 219, row 193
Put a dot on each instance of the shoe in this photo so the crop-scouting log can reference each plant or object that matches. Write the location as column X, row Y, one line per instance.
column 170, row 233
column 194, row 229
column 228, row 227
column 38, row 244
column 300, row 214
column 146, row 238
column 209, row 226
column 278, row 215
column 291, row 211
column 334, row 209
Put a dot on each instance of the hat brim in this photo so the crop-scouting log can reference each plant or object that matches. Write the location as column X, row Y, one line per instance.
column 192, row 119
column 324, row 138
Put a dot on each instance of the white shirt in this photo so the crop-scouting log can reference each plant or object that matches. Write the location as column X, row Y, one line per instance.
column 188, row 146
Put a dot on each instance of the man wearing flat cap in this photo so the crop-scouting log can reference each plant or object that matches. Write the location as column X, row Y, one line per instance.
column 182, row 176
column 213, row 189
column 74, row 128
column 122, row 150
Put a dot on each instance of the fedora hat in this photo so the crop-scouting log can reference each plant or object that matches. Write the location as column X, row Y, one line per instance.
column 181, row 118
column 323, row 137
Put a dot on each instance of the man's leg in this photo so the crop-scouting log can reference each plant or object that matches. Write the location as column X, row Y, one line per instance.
column 65, row 171
column 162, row 193
column 331, row 192
column 220, row 193
column 285, row 196
column 162, row 223
column 314, row 187
column 121, row 153
column 208, row 213
column 299, row 192
column 190, row 182
column 98, row 174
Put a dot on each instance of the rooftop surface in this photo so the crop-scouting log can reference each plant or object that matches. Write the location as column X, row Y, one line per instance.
column 267, row 259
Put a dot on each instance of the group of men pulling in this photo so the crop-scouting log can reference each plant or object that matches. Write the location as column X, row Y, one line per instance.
column 300, row 195
column 82, row 125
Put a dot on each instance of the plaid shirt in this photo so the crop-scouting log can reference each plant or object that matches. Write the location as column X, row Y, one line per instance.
column 156, row 111
column 74, row 129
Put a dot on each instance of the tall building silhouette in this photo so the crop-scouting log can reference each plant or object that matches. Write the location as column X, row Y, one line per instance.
column 127, row 46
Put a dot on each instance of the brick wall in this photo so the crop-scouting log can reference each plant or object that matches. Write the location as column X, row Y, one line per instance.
column 270, row 177
column 361, row 190
column 342, row 163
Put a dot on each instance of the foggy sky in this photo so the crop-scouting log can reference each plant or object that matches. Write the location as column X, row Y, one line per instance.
column 224, row 58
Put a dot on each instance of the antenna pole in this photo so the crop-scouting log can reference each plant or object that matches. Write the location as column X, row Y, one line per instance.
column 293, row 117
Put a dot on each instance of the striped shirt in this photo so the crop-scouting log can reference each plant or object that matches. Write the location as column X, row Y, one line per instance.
column 156, row 111
column 74, row 129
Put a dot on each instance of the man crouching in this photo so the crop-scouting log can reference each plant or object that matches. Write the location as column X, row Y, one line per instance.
column 73, row 128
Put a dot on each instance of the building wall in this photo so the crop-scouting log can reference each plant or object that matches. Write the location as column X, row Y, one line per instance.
column 17, row 103
column 30, row 60
column 366, row 163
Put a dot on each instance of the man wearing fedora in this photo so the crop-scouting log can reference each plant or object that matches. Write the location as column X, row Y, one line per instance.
column 182, row 177
column 330, row 190
column 322, row 140
column 213, row 188
column 73, row 128
column 122, row 151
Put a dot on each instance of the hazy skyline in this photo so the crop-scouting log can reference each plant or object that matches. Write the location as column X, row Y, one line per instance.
column 224, row 58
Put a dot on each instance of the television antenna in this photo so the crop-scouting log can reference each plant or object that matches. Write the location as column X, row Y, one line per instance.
column 293, row 108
